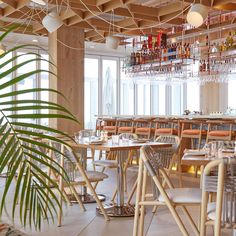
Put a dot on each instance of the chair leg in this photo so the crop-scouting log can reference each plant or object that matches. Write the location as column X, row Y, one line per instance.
column 114, row 195
column 93, row 159
column 171, row 207
column 154, row 209
column 191, row 222
column 77, row 198
column 132, row 192
column 138, row 197
column 142, row 210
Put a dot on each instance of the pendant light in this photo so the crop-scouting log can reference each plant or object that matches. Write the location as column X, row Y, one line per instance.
column 111, row 41
column 52, row 22
column 2, row 49
column 40, row 2
column 197, row 15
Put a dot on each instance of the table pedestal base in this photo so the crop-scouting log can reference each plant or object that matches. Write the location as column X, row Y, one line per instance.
column 87, row 198
column 116, row 211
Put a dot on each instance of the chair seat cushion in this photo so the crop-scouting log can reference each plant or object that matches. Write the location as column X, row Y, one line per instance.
column 125, row 129
column 219, row 133
column 106, row 163
column 211, row 211
column 93, row 176
column 183, row 195
column 109, row 128
column 166, row 131
column 142, row 130
column 193, row 131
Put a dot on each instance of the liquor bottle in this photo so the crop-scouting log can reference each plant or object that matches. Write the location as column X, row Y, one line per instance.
column 165, row 53
column 229, row 41
column 132, row 59
column 214, row 48
column 187, row 51
column 137, row 58
column 200, row 66
column 144, row 46
column 207, row 40
column 208, row 66
column 174, row 51
column 169, row 51
column 204, row 66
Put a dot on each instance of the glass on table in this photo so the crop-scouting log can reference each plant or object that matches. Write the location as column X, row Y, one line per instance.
column 115, row 139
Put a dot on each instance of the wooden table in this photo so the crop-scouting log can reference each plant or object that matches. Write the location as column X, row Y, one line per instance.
column 119, row 209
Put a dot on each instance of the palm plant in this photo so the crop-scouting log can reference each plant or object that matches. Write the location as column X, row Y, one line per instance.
column 22, row 154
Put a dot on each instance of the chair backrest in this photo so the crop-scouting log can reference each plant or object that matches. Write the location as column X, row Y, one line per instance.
column 219, row 177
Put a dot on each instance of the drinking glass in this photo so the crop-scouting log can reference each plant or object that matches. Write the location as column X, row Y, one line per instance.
column 115, row 139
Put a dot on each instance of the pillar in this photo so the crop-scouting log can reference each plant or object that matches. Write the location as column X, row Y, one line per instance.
column 69, row 63
column 213, row 97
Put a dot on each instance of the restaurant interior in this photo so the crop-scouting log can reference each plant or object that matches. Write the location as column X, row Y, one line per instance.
column 117, row 117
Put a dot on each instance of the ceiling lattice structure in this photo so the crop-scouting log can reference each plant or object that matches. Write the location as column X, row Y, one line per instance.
column 129, row 17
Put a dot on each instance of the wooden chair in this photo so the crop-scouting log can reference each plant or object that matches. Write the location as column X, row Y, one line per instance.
column 109, row 125
column 168, row 154
column 219, row 177
column 143, row 127
column 165, row 127
column 154, row 164
column 193, row 129
column 125, row 125
column 220, row 130
column 77, row 176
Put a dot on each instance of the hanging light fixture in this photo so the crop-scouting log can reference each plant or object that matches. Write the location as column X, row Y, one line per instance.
column 111, row 41
column 197, row 15
column 2, row 49
column 40, row 2
column 52, row 22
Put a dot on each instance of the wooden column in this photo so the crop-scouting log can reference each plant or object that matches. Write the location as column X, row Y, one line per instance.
column 213, row 97
column 70, row 74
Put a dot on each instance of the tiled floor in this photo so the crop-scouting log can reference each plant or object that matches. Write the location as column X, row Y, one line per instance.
column 78, row 223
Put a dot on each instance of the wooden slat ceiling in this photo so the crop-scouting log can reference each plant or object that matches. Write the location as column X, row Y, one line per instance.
column 130, row 17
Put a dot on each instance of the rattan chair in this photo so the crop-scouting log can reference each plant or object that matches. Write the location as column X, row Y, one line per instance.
column 77, row 175
column 154, row 164
column 219, row 177
column 170, row 154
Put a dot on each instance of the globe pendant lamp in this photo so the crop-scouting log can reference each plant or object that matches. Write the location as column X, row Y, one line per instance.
column 2, row 49
column 52, row 22
column 40, row 2
column 197, row 15
column 112, row 42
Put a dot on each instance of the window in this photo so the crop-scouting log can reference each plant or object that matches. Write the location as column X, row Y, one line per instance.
column 143, row 99
column 158, row 99
column 232, row 94
column 176, row 99
column 34, row 81
column 91, row 92
column 127, row 97
column 193, row 96
column 109, row 82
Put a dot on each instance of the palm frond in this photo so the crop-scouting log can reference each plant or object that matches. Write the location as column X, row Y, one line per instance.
column 23, row 153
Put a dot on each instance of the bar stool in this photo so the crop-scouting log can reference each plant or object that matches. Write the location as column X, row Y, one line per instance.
column 165, row 127
column 125, row 125
column 220, row 130
column 109, row 125
column 193, row 129
column 143, row 127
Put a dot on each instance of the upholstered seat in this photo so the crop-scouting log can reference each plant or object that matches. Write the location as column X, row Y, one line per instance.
column 219, row 133
column 142, row 130
column 93, row 176
column 166, row 131
column 125, row 129
column 106, row 163
column 180, row 195
column 109, row 128
column 193, row 131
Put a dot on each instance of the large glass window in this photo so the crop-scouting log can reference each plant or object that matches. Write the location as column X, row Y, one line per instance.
column 143, row 99
column 34, row 81
column 158, row 97
column 176, row 99
column 232, row 94
column 91, row 92
column 109, row 81
column 193, row 96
